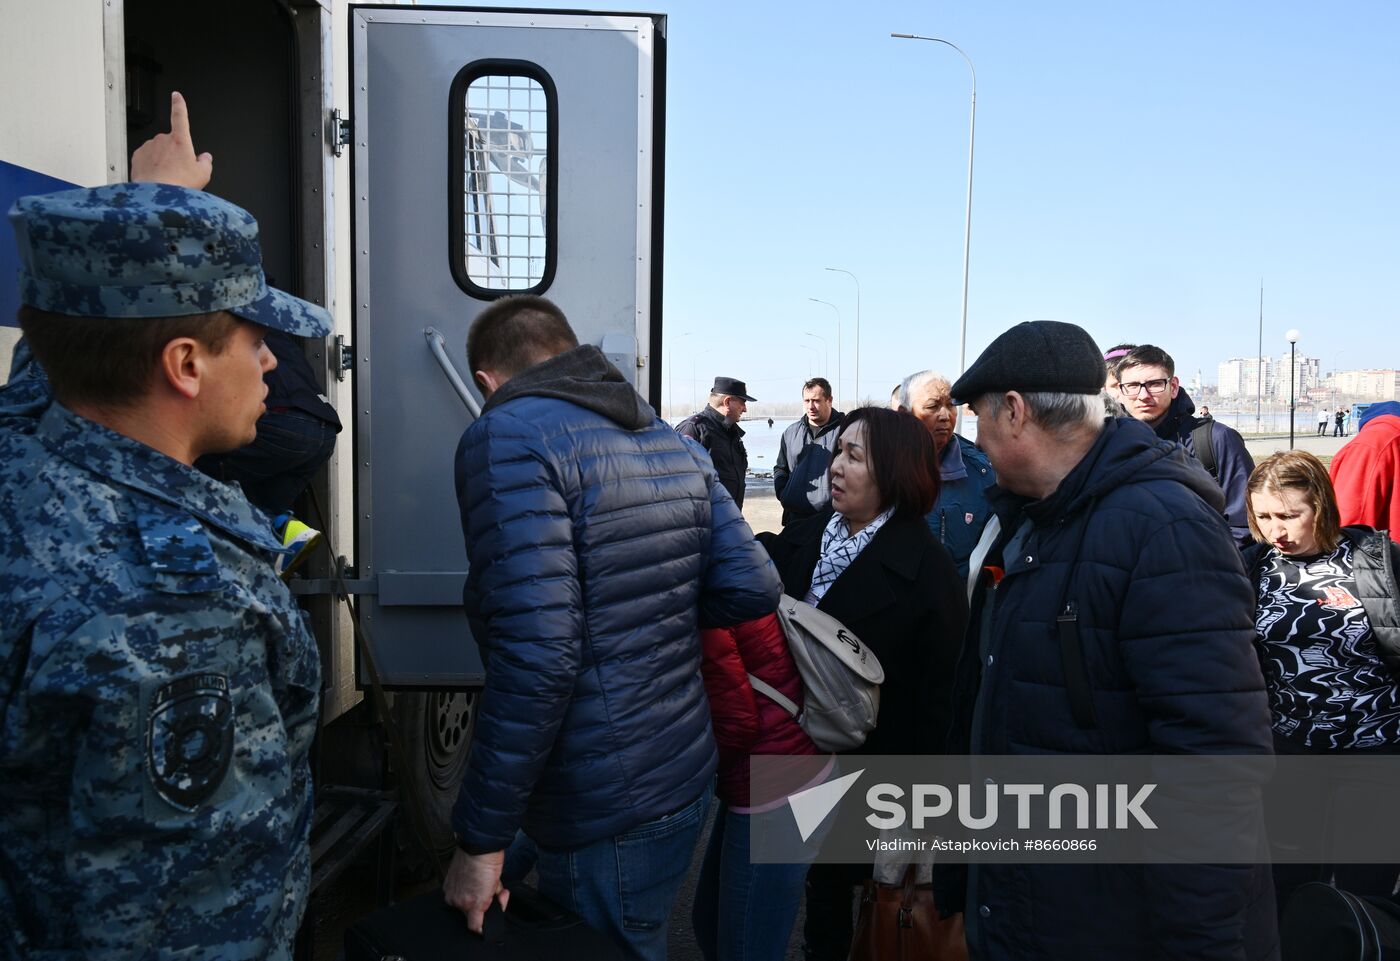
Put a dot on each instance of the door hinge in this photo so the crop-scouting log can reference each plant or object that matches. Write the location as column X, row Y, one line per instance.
column 343, row 357
column 338, row 132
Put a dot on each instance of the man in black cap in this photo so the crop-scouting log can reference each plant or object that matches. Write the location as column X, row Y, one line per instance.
column 1110, row 615
column 718, row 431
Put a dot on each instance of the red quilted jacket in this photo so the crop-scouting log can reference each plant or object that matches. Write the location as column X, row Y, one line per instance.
column 745, row 721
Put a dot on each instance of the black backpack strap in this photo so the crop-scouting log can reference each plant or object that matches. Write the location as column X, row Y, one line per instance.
column 1081, row 700
column 1202, row 443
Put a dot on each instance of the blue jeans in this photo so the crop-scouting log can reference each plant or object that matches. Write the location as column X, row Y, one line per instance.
column 743, row 911
column 625, row 886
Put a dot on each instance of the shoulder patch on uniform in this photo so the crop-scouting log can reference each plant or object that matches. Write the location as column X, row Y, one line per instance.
column 189, row 738
column 174, row 541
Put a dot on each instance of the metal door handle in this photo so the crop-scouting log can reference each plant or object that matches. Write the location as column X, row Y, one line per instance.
column 439, row 348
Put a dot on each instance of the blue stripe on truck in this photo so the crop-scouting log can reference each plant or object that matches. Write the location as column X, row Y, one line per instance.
column 15, row 182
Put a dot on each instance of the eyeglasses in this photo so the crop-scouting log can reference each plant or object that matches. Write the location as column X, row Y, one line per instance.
column 1135, row 388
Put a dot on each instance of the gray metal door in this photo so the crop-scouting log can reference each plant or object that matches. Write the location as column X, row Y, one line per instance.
column 493, row 152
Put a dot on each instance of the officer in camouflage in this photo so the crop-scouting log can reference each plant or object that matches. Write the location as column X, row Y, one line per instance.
column 159, row 687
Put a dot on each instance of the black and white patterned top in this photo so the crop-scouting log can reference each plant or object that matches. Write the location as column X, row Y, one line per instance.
column 1327, row 686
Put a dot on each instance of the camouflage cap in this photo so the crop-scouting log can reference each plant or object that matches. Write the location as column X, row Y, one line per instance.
column 149, row 250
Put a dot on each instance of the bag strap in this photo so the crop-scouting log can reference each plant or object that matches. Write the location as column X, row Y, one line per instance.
column 1202, row 443
column 1081, row 701
column 990, row 533
column 773, row 694
column 906, row 903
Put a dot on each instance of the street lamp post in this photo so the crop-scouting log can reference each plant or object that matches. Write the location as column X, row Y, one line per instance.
column 967, row 226
column 1259, row 373
column 815, row 357
column 826, row 367
column 838, row 345
column 695, row 378
column 842, row 270
column 671, row 370
column 1292, row 336
column 1334, row 376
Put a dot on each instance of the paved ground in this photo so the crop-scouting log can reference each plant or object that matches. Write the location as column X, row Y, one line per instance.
column 1324, row 447
column 761, row 507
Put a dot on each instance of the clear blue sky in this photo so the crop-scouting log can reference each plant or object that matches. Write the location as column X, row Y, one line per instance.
column 1140, row 167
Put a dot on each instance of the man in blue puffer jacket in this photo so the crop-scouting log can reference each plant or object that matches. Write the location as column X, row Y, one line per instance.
column 599, row 543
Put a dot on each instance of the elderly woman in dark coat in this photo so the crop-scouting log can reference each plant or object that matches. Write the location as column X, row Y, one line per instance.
column 872, row 563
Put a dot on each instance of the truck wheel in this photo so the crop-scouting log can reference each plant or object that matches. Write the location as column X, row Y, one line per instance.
column 437, row 733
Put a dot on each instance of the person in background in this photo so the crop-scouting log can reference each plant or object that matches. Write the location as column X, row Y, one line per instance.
column 1112, row 399
column 716, row 428
column 799, row 473
column 296, row 436
column 1367, row 468
column 745, row 911
column 1205, row 413
column 1323, row 417
column 1105, row 525
column 1328, row 623
column 962, row 510
column 1341, row 418
column 598, row 542
column 871, row 562
column 1154, row 395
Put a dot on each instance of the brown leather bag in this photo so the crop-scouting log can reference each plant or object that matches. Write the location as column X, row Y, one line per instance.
column 901, row 923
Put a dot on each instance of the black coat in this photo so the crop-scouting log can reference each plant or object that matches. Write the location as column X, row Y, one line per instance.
column 725, row 442
column 1166, row 631
column 902, row 597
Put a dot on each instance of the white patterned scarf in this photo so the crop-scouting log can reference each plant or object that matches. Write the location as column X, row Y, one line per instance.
column 839, row 548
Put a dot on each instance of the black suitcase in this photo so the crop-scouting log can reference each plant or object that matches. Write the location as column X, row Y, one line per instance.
column 426, row 928
column 1324, row 923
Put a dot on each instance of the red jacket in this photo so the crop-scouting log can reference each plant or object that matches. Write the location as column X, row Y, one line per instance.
column 745, row 721
column 1364, row 473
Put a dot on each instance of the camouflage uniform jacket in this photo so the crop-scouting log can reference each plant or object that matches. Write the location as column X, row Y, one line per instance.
column 158, row 698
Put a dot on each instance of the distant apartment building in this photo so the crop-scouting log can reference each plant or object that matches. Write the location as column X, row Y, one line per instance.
column 1306, row 375
column 1368, row 385
column 1239, row 377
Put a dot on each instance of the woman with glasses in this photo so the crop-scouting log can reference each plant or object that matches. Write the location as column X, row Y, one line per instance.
column 871, row 562
column 1328, row 622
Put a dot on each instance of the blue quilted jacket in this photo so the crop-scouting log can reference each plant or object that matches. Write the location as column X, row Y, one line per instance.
column 599, row 541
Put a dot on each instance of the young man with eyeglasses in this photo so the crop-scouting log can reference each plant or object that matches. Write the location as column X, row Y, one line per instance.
column 1152, row 393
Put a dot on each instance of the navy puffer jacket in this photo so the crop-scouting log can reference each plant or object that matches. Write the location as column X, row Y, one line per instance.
column 1166, row 630
column 599, row 541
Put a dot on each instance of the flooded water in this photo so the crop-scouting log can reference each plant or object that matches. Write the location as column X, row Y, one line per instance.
column 762, row 442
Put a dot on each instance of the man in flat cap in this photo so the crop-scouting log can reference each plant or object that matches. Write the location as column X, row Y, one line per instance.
column 1110, row 615
column 718, row 431
column 160, row 690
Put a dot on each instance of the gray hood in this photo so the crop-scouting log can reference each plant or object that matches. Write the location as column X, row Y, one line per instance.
column 581, row 376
